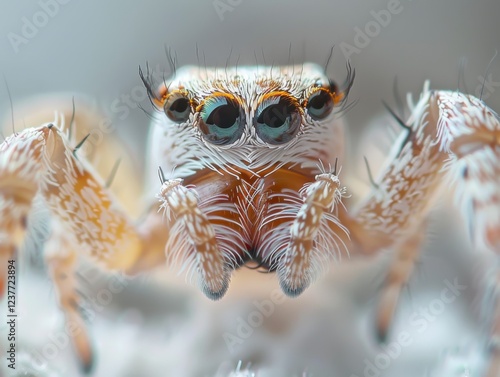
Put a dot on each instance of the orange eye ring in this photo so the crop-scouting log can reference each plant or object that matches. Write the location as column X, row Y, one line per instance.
column 161, row 95
column 321, row 102
column 177, row 106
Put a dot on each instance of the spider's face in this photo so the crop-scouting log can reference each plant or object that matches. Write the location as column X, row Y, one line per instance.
column 250, row 117
column 248, row 140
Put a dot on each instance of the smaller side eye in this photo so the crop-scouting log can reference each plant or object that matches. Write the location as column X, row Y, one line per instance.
column 221, row 119
column 320, row 104
column 177, row 107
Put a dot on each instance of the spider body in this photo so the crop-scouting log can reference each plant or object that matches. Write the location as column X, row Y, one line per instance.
column 249, row 165
column 248, row 148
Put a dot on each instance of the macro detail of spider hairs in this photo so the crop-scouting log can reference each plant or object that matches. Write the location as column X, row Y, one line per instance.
column 163, row 331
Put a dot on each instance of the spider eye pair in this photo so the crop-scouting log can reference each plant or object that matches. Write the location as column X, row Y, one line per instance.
column 221, row 118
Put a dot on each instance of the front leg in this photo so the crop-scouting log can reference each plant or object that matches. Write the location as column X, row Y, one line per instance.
column 314, row 234
column 21, row 169
column 193, row 237
column 450, row 135
column 87, row 220
column 452, row 138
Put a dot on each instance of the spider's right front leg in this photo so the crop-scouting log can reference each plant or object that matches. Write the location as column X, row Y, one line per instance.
column 86, row 219
column 194, row 236
column 20, row 174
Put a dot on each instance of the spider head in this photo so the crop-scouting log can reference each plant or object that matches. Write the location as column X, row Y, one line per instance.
column 250, row 117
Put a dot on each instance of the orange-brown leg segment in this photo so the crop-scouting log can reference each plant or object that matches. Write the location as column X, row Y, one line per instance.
column 305, row 252
column 20, row 171
column 61, row 262
column 406, row 188
column 399, row 273
column 452, row 138
column 86, row 217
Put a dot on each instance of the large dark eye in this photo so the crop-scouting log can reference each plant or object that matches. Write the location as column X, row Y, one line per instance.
column 320, row 104
column 221, row 120
column 177, row 107
column 277, row 120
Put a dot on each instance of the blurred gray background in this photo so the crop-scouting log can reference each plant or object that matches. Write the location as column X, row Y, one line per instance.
column 95, row 48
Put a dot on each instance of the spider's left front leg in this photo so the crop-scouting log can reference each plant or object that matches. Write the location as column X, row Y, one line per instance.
column 450, row 134
column 314, row 233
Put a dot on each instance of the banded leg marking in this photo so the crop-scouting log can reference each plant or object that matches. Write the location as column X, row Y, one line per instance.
column 182, row 203
column 302, row 259
column 61, row 260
